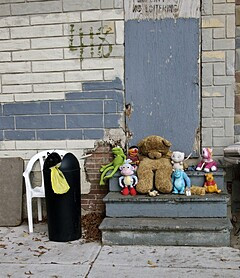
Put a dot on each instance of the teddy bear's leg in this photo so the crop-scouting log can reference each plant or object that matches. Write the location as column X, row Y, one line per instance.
column 163, row 182
column 145, row 178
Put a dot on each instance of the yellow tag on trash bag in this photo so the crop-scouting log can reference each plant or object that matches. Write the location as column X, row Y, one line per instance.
column 59, row 183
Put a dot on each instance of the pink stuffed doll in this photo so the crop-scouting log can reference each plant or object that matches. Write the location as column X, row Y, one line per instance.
column 128, row 180
column 207, row 164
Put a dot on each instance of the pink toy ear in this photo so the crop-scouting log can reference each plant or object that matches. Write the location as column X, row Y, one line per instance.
column 121, row 168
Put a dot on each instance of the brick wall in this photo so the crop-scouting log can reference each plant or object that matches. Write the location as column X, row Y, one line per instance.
column 101, row 156
column 218, row 74
column 61, row 84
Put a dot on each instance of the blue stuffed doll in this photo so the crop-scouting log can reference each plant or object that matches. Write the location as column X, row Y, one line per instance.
column 180, row 180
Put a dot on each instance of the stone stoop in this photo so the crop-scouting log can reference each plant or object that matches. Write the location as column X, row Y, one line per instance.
column 166, row 205
column 166, row 231
column 167, row 219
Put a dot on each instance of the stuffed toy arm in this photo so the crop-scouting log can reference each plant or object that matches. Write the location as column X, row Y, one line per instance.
column 135, row 181
column 120, row 182
column 187, row 180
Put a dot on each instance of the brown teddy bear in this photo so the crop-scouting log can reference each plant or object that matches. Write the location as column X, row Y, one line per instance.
column 155, row 166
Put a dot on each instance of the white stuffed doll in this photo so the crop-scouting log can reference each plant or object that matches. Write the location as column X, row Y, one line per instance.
column 177, row 159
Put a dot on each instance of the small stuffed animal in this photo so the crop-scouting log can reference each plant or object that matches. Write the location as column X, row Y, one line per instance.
column 133, row 155
column 210, row 184
column 198, row 190
column 153, row 193
column 128, row 180
column 178, row 161
column 119, row 158
column 207, row 163
column 180, row 180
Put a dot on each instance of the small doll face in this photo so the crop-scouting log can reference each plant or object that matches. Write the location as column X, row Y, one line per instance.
column 207, row 153
column 127, row 169
column 177, row 156
column 133, row 151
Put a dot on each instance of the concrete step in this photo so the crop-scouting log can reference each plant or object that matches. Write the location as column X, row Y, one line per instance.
column 166, row 231
column 197, row 178
column 166, row 205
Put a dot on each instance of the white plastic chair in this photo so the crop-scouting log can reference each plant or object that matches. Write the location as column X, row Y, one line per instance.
column 38, row 191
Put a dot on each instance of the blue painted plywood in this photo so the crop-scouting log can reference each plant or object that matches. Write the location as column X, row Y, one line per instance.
column 161, row 78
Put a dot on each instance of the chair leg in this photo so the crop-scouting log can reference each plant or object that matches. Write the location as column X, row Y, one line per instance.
column 39, row 209
column 29, row 212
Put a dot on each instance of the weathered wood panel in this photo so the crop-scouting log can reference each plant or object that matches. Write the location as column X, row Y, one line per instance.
column 158, row 9
column 161, row 72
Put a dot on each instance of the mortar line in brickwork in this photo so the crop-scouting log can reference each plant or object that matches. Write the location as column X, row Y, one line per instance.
column 10, row 8
column 50, row 107
column 14, row 122
column 103, row 115
column 65, row 122
column 62, row 5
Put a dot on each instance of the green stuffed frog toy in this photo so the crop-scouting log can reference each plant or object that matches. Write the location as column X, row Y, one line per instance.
column 119, row 159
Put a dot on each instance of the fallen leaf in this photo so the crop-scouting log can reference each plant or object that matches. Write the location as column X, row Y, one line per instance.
column 150, row 262
column 42, row 247
column 36, row 239
column 28, row 273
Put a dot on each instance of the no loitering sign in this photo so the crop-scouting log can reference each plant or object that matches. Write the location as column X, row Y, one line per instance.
column 159, row 9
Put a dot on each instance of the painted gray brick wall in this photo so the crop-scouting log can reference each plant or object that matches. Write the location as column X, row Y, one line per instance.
column 82, row 115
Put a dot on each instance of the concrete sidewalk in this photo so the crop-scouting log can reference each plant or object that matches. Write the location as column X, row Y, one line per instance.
column 24, row 255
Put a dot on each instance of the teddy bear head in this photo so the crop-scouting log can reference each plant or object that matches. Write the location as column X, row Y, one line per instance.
column 209, row 177
column 154, row 147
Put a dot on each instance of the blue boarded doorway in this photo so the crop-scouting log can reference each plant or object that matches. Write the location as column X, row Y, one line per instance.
column 162, row 76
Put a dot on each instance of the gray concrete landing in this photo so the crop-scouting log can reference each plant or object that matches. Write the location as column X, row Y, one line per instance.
column 24, row 255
